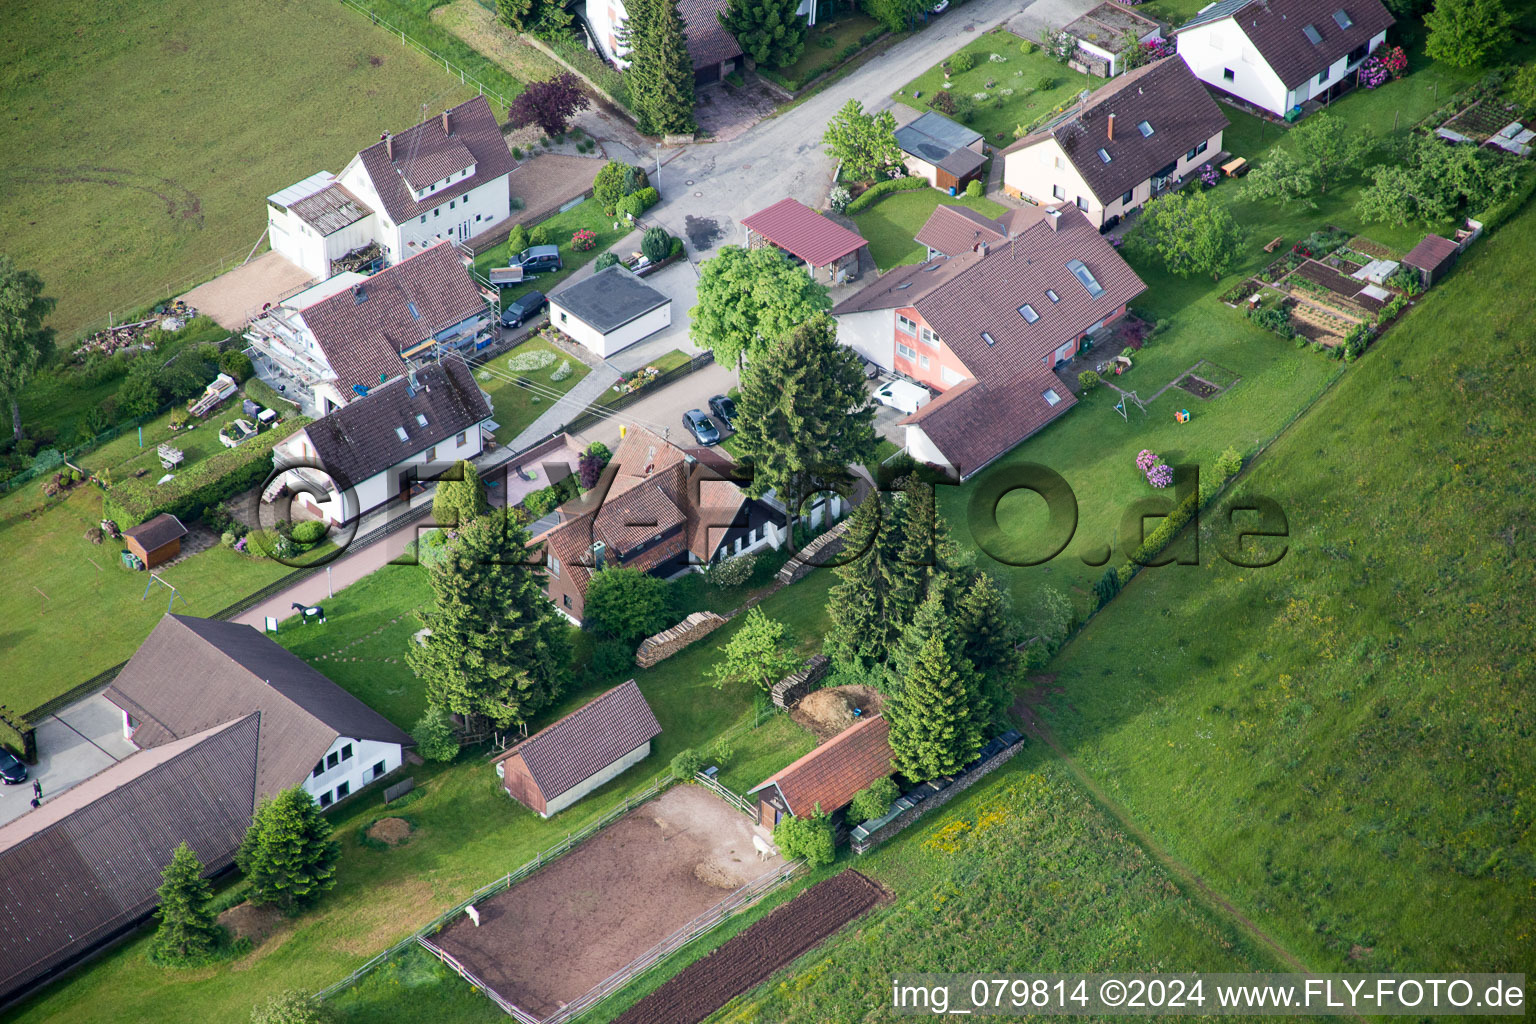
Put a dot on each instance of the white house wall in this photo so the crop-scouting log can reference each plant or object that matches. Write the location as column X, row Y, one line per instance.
column 616, row 340
column 603, row 777
column 921, row 447
column 457, row 219
column 1211, row 50
column 871, row 334
column 370, row 759
column 1036, row 170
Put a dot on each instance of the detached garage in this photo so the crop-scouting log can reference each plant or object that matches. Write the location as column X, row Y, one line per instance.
column 610, row 311
column 592, row 745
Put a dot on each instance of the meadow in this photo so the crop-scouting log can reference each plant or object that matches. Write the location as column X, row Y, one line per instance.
column 146, row 136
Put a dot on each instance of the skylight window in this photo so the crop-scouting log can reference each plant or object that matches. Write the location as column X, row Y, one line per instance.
column 1104, row 155
column 415, row 313
column 988, row 338
column 1028, row 313
column 401, row 434
column 1085, row 275
column 1145, row 127
column 1312, row 34
column 1341, row 19
column 1050, row 293
column 1050, row 396
column 421, row 420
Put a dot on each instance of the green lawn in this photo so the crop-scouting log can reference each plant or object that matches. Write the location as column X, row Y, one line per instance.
column 893, row 221
column 561, row 227
column 148, row 134
column 824, row 46
column 667, row 361
column 1015, row 98
column 516, row 407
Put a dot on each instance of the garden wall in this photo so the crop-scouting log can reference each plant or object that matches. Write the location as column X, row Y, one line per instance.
column 668, row 642
column 863, row 839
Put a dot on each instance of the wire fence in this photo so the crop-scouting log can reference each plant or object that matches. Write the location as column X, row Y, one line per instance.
column 129, row 311
column 406, row 39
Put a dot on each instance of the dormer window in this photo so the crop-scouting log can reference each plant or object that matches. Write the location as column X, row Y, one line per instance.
column 1145, row 127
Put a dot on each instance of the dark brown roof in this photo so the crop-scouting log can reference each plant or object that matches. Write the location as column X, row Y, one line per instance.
column 953, row 230
column 587, row 740
column 1432, row 253
column 362, row 330
column 795, row 227
column 193, row 674
column 1278, row 30
column 360, row 439
column 1164, row 95
column 964, row 424
column 157, row 532
column 904, row 285
column 331, row 209
column 425, row 154
column 831, row 774
column 87, row 863
column 708, row 41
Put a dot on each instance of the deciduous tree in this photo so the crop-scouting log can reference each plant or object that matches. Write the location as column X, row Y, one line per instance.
column 803, row 414
column 895, row 15
column 748, row 300
column 1191, row 233
column 292, row 1008
column 761, row 652
column 288, row 857
column 660, row 73
column 865, row 143
column 771, row 32
column 189, row 930
column 25, row 344
column 1430, row 182
column 550, row 104
column 625, row 604
column 1323, row 150
column 1465, row 33
column 547, row 19
column 497, row 647
column 935, row 726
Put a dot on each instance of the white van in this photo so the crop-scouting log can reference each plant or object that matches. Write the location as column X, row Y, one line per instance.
column 903, row 395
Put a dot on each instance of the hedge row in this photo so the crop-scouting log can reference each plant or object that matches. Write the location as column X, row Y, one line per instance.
column 872, row 195
column 205, row 483
column 1497, row 214
column 259, row 391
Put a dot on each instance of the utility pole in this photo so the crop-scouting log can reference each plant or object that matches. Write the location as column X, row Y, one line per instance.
column 658, row 167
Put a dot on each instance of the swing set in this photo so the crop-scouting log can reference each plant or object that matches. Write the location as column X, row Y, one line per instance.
column 175, row 594
column 1129, row 396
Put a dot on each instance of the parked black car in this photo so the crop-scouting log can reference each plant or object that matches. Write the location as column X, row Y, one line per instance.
column 12, row 771
column 540, row 259
column 724, row 409
column 701, row 427
column 522, row 308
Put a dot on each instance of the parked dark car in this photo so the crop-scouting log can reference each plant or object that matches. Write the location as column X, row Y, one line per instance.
column 541, row 259
column 724, row 409
column 701, row 427
column 522, row 308
column 12, row 771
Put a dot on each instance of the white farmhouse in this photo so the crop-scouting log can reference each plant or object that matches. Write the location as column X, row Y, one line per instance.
column 191, row 675
column 375, row 449
column 331, row 343
column 1278, row 54
column 447, row 178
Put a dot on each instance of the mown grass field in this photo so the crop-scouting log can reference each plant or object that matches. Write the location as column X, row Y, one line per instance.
column 145, row 137
column 892, row 223
column 561, row 228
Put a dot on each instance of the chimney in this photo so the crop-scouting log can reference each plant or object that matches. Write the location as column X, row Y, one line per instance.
column 597, row 554
column 389, row 146
column 1054, row 216
column 1111, row 127
column 446, row 129
column 981, row 248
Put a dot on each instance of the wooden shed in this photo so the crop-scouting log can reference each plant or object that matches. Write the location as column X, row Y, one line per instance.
column 592, row 745
column 829, row 776
column 1432, row 258
column 156, row 541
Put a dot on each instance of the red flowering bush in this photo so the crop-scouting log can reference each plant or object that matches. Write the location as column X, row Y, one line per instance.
column 584, row 240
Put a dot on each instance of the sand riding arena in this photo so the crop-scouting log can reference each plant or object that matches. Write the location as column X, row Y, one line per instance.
column 670, row 865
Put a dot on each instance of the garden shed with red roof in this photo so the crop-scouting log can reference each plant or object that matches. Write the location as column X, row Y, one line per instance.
column 829, row 776
column 828, row 250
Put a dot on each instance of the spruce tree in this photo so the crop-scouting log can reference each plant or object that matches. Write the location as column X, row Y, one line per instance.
column 859, row 634
column 660, row 73
column 460, row 496
column 189, row 930
column 984, row 621
column 934, row 614
column 498, row 648
column 804, row 414
column 771, row 32
column 906, row 578
column 935, row 728
column 288, row 856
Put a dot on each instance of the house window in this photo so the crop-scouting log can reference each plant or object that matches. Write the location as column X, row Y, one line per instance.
column 1083, row 274
column 565, row 599
column 906, row 352
column 1082, row 204
column 554, row 565
column 1313, row 35
column 1129, row 195
column 929, row 338
column 1050, row 396
column 423, row 218
column 477, row 217
column 332, row 759
column 987, row 337
column 1228, row 75
column 462, row 438
column 1322, row 76
column 378, row 769
column 1060, row 163
column 1104, row 155
column 904, row 325
column 1058, row 192
column 325, row 799
column 346, row 751
column 342, row 789
column 319, row 768
column 1341, row 19
column 1028, row 313
column 450, row 204
column 922, row 361
column 1145, row 127
column 562, row 316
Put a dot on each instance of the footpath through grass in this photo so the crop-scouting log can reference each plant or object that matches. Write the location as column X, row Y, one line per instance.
column 145, row 136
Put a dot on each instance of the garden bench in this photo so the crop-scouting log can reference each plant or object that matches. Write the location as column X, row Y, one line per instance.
column 1272, row 246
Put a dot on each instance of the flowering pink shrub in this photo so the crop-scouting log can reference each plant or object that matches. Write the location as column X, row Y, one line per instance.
column 1383, row 66
column 584, row 240
column 1160, row 475
column 1209, row 176
column 1146, row 460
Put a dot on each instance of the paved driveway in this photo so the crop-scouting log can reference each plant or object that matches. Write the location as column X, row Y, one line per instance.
column 73, row 745
column 663, row 411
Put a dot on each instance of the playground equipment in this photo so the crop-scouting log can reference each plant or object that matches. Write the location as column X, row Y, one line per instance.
column 222, row 387
column 1182, row 416
column 1129, row 396
column 154, row 578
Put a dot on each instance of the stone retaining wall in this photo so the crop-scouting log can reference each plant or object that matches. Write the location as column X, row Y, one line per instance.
column 868, row 841
column 663, row 645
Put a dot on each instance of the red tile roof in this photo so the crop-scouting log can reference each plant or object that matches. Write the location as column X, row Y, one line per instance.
column 1432, row 253
column 587, row 740
column 953, row 230
column 795, row 227
column 362, row 340
column 426, row 153
column 831, row 774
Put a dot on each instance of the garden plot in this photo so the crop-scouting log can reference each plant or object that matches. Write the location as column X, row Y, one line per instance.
column 551, row 939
